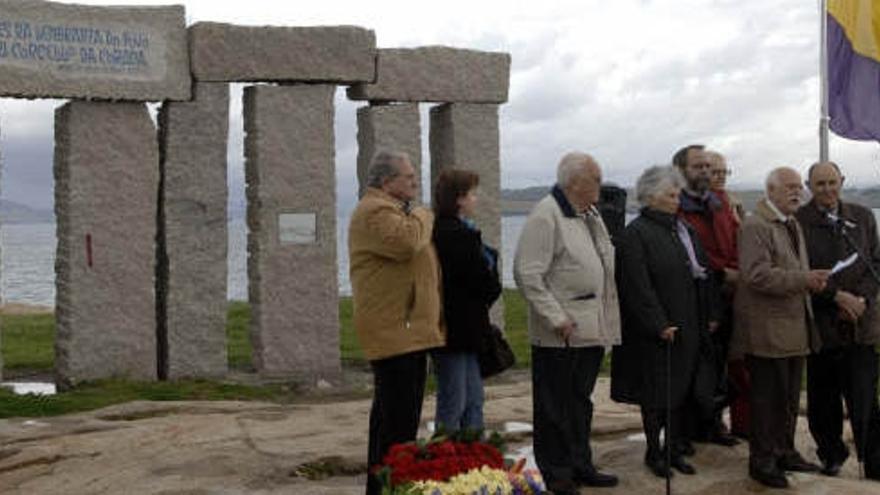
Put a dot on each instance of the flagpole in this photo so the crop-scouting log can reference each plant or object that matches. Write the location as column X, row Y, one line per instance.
column 823, row 77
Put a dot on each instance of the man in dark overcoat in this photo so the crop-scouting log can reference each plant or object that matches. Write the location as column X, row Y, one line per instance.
column 847, row 319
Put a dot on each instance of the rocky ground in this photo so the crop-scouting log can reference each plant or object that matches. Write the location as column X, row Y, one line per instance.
column 200, row 448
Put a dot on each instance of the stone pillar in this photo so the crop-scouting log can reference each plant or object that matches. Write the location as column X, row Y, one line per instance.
column 106, row 183
column 291, row 193
column 192, row 251
column 1, row 295
column 466, row 136
column 389, row 127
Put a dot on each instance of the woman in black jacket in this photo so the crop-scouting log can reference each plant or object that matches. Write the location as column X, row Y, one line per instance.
column 470, row 286
column 665, row 298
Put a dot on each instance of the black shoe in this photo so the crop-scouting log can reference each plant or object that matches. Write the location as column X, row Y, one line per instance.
column 657, row 465
column 563, row 488
column 685, row 448
column 722, row 438
column 682, row 466
column 740, row 435
column 831, row 468
column 796, row 463
column 773, row 479
column 596, row 479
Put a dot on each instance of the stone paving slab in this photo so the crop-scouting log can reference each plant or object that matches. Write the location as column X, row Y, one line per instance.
column 59, row 50
column 437, row 74
column 228, row 52
column 255, row 448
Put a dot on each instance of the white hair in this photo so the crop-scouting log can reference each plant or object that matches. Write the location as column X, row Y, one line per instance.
column 774, row 178
column 655, row 180
column 571, row 166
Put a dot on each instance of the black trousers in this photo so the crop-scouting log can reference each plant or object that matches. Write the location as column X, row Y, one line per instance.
column 398, row 390
column 709, row 394
column 562, row 383
column 654, row 420
column 848, row 373
column 774, row 401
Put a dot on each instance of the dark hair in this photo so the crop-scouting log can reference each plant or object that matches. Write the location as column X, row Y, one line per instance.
column 680, row 158
column 451, row 185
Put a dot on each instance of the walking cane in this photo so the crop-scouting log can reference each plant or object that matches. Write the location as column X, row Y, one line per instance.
column 866, row 421
column 669, row 415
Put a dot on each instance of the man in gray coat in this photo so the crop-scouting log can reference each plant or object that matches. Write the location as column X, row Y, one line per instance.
column 564, row 266
column 773, row 325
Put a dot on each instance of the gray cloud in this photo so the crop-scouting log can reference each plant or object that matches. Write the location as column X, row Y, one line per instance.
column 745, row 82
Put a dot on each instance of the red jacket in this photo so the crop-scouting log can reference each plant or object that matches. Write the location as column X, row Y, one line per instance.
column 716, row 226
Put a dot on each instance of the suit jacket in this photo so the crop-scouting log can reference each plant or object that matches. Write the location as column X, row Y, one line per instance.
column 825, row 247
column 772, row 309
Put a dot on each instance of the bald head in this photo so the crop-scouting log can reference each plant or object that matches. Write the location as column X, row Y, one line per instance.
column 580, row 178
column 784, row 189
column 825, row 182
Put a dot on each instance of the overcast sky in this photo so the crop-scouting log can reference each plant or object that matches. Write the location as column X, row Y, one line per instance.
column 628, row 81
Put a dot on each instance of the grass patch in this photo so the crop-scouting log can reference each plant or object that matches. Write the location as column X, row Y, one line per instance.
column 96, row 395
column 516, row 327
column 238, row 342
column 27, row 345
column 349, row 347
column 28, row 342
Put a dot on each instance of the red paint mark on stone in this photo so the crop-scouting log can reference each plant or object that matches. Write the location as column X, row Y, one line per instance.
column 89, row 249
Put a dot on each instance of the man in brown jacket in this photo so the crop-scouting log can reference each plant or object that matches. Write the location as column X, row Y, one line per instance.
column 396, row 298
column 773, row 325
column 847, row 320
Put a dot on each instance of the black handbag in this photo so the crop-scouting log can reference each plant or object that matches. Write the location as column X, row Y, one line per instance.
column 496, row 355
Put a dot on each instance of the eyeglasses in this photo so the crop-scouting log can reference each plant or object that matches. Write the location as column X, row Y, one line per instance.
column 722, row 173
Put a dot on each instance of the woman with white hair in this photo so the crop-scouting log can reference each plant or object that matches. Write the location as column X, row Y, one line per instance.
column 664, row 289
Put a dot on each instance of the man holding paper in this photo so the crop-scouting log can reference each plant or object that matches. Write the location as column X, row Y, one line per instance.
column 847, row 319
column 773, row 325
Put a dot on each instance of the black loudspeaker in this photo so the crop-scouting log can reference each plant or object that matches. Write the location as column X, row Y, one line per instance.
column 612, row 207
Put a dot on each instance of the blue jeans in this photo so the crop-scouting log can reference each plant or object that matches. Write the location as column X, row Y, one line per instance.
column 459, row 391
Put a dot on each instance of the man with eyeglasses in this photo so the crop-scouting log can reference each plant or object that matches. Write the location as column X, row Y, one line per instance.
column 718, row 174
column 737, row 392
column 716, row 227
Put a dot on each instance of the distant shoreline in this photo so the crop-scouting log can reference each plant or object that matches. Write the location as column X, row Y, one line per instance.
column 18, row 309
column 514, row 202
column 521, row 201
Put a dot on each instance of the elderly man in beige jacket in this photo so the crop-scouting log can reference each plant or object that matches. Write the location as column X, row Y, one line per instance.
column 564, row 267
column 773, row 325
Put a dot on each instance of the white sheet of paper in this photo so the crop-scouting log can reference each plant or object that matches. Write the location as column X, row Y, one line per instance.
column 840, row 265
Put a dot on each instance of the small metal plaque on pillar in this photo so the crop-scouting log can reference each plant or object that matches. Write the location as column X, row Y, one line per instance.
column 297, row 228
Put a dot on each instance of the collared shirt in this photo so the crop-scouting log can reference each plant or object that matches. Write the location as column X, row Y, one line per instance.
column 789, row 223
column 782, row 218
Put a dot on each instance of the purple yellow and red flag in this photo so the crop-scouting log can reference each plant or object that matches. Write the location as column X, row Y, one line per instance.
column 854, row 68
